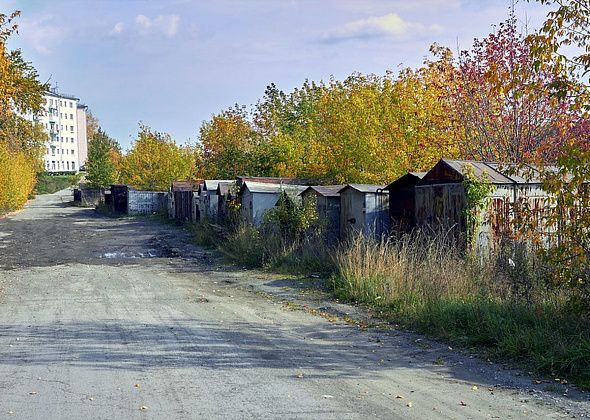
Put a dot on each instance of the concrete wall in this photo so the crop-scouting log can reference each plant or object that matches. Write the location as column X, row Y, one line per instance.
column 147, row 202
column 82, row 138
column 88, row 197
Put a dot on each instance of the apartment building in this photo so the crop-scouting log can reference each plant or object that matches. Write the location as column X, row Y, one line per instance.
column 64, row 119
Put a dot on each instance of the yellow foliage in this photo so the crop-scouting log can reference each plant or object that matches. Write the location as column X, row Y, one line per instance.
column 17, row 178
column 155, row 161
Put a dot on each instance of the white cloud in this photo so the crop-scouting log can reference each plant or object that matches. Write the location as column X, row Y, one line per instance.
column 143, row 21
column 389, row 25
column 118, row 28
column 43, row 34
column 163, row 24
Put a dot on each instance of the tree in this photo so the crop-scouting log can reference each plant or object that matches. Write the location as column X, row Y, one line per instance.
column 568, row 180
column 155, row 160
column 227, row 142
column 101, row 166
column 92, row 124
column 567, row 26
column 505, row 109
column 21, row 141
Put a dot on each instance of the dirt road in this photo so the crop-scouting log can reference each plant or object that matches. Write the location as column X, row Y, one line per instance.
column 106, row 318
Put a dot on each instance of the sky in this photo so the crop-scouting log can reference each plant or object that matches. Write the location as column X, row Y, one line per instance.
column 171, row 64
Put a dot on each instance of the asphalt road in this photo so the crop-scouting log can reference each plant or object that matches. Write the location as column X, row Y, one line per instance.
column 105, row 318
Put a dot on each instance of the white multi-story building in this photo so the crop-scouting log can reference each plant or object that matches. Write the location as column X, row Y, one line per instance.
column 64, row 119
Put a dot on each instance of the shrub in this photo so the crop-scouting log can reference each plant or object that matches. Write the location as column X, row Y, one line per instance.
column 17, row 179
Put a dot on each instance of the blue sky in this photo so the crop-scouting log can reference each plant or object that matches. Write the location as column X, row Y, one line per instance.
column 172, row 63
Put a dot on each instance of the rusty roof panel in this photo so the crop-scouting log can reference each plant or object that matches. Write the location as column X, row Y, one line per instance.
column 186, row 185
column 267, row 188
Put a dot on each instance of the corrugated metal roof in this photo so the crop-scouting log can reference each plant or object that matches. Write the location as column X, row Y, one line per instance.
column 265, row 187
column 493, row 172
column 480, row 170
column 272, row 180
column 364, row 188
column 211, row 184
column 521, row 174
column 326, row 190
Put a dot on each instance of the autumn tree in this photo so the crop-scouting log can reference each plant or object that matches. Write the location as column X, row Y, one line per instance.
column 568, row 178
column 21, row 140
column 155, row 160
column 92, row 124
column 505, row 109
column 101, row 166
column 228, row 143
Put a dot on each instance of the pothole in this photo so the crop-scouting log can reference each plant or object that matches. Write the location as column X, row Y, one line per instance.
column 149, row 253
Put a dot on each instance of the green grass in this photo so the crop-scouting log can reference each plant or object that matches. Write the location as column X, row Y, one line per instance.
column 49, row 184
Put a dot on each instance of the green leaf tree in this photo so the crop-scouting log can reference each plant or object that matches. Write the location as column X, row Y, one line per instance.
column 101, row 167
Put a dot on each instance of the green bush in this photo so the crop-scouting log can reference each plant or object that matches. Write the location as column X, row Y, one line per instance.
column 49, row 184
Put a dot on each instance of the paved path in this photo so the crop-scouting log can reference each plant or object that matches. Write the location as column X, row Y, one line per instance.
column 101, row 318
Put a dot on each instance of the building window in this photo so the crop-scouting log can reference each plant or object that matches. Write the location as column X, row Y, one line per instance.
column 72, row 139
column 51, row 102
column 71, row 128
column 73, row 166
column 71, row 116
column 72, row 151
column 71, row 104
column 68, row 165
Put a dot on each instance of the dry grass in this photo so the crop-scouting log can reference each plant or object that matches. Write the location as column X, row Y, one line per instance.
column 498, row 302
column 411, row 265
